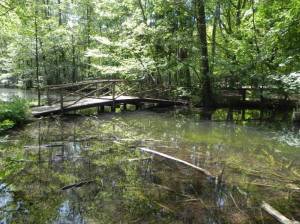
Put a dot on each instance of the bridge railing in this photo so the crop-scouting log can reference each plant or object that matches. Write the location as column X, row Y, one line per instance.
column 69, row 94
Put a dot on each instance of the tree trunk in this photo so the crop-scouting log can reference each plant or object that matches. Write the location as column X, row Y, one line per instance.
column 37, row 56
column 143, row 11
column 238, row 13
column 185, row 71
column 201, row 25
column 214, row 33
column 88, row 35
column 73, row 60
column 59, row 13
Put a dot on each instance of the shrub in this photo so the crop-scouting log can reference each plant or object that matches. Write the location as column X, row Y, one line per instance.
column 6, row 124
column 12, row 113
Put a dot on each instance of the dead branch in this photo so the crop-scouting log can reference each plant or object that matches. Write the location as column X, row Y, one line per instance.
column 77, row 185
column 277, row 215
column 204, row 171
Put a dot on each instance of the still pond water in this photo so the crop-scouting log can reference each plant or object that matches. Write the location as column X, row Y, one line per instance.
column 88, row 169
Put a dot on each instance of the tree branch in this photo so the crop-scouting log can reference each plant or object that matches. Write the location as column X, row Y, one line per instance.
column 7, row 11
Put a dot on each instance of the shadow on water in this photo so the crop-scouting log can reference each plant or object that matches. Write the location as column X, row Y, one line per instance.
column 89, row 170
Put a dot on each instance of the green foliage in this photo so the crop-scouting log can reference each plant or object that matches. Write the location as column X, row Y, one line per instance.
column 12, row 113
column 6, row 124
column 250, row 43
column 290, row 83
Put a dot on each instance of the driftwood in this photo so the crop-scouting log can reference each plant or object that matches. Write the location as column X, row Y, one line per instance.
column 204, row 171
column 277, row 215
column 76, row 185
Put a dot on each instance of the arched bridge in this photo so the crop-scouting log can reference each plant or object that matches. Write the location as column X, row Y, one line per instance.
column 100, row 93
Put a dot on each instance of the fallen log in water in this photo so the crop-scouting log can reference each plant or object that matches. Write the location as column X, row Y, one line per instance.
column 204, row 171
column 265, row 206
column 277, row 215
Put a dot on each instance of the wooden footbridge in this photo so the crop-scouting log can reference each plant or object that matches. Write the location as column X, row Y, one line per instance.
column 101, row 93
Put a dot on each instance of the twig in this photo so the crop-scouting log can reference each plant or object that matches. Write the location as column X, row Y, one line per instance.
column 7, row 11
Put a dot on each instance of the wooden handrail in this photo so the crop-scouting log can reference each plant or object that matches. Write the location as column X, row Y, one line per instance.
column 120, row 94
column 84, row 96
column 78, row 91
column 76, row 84
column 90, row 93
column 117, row 88
column 70, row 94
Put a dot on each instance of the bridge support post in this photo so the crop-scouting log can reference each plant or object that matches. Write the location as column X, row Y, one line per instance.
column 113, row 107
column 140, row 90
column 61, row 101
column 138, row 106
column 48, row 97
column 243, row 114
column 243, row 93
column 98, row 87
column 100, row 109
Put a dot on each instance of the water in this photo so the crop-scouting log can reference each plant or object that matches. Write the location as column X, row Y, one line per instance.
column 79, row 169
column 6, row 94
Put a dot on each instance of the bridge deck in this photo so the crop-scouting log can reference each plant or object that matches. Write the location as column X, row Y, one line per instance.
column 94, row 102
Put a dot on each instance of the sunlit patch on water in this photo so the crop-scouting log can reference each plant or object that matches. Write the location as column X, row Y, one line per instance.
column 290, row 138
column 67, row 214
column 5, row 196
column 5, row 199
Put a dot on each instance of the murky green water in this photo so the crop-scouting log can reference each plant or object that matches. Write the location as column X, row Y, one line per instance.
column 90, row 170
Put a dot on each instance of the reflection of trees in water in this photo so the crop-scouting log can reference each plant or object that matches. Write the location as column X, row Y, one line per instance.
column 119, row 191
column 63, row 152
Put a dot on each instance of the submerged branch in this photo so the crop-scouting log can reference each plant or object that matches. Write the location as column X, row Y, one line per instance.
column 76, row 185
column 277, row 215
column 204, row 171
column 266, row 207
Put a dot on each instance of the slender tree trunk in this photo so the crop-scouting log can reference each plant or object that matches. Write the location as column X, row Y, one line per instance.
column 37, row 56
column 201, row 25
column 88, row 33
column 143, row 11
column 254, row 28
column 238, row 13
column 59, row 13
column 185, row 71
column 228, row 18
column 62, row 57
column 214, row 33
column 46, row 76
column 73, row 61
